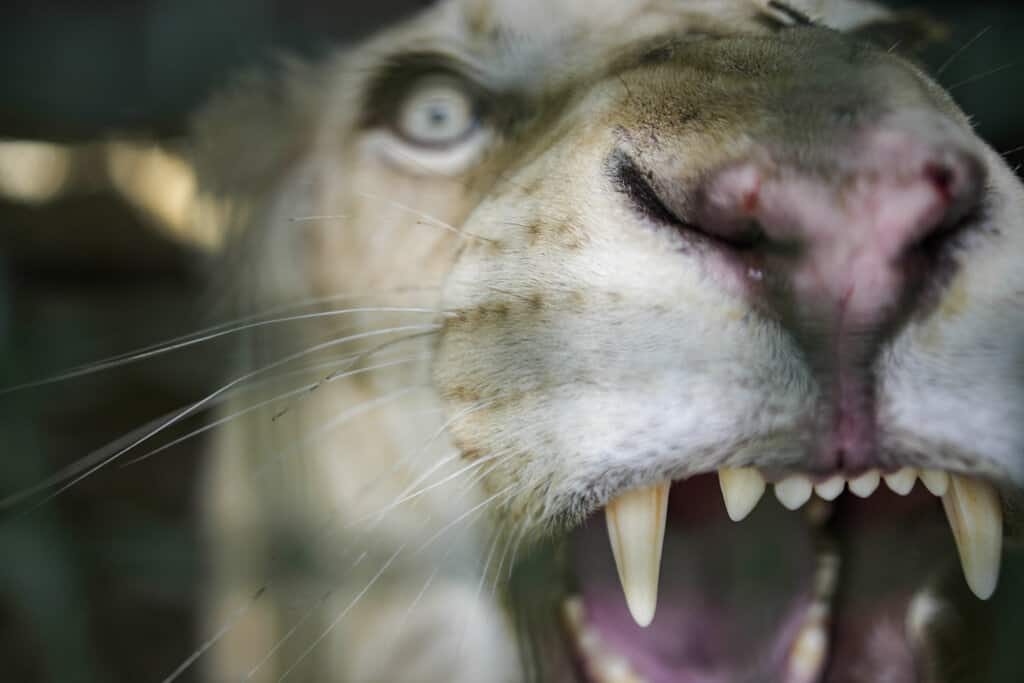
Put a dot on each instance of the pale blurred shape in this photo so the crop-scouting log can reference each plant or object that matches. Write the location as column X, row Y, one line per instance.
column 163, row 186
column 33, row 172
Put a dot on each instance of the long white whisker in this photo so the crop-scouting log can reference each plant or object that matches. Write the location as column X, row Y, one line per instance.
column 338, row 420
column 479, row 591
column 337, row 620
column 119, row 361
column 305, row 389
column 380, row 514
column 963, row 48
column 449, row 525
column 229, row 624
column 324, row 217
column 404, row 460
column 983, row 75
column 194, row 407
column 330, row 628
column 427, row 218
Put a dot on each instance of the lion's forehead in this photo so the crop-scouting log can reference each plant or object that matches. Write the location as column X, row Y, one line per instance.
column 536, row 42
column 564, row 20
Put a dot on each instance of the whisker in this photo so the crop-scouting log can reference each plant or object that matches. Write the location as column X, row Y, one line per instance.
column 959, row 51
column 306, row 389
column 384, row 567
column 337, row 421
column 406, row 459
column 479, row 591
column 479, row 506
column 330, row 628
column 430, row 220
column 191, row 409
column 231, row 622
column 325, row 217
column 289, row 633
column 501, row 565
column 191, row 340
column 403, row 499
column 983, row 75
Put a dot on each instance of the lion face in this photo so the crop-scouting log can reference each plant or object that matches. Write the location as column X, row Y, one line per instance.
column 676, row 244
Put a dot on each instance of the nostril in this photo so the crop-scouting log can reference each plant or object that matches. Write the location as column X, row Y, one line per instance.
column 958, row 186
column 942, row 178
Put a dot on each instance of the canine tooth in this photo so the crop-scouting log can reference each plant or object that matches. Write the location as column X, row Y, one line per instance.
column 936, row 481
column 924, row 611
column 741, row 489
column 901, row 481
column 636, row 528
column 976, row 518
column 794, row 491
column 574, row 613
column 864, row 485
column 613, row 669
column 830, row 488
column 810, row 647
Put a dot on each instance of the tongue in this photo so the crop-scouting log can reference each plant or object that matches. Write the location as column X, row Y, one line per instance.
column 734, row 597
column 894, row 549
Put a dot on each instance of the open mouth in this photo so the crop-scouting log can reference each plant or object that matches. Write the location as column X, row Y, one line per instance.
column 838, row 580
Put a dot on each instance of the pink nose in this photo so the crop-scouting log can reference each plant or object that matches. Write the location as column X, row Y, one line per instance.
column 848, row 241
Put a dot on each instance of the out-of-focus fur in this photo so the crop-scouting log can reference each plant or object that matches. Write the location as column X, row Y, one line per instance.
column 357, row 529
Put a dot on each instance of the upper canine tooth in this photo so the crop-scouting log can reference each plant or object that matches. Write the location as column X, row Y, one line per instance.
column 865, row 484
column 636, row 528
column 935, row 481
column 741, row 489
column 830, row 488
column 976, row 518
column 901, row 481
column 794, row 491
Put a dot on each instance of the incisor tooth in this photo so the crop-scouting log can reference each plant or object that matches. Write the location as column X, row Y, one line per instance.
column 830, row 488
column 864, row 485
column 936, row 481
column 741, row 489
column 794, row 491
column 976, row 518
column 636, row 528
column 901, row 481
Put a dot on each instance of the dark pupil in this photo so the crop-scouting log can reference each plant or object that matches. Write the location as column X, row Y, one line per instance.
column 438, row 117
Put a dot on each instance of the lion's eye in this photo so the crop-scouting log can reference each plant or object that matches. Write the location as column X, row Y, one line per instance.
column 438, row 112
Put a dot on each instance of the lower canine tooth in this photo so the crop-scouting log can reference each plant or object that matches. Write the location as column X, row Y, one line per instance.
column 741, row 490
column 976, row 518
column 636, row 528
column 810, row 648
column 936, row 481
column 864, row 485
column 794, row 491
column 901, row 481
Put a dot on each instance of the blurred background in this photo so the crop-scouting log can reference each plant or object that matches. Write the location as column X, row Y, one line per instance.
column 97, row 258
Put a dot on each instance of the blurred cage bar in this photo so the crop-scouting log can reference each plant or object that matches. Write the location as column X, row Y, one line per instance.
column 98, row 256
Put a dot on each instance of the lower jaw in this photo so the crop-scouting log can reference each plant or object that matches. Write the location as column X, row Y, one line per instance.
column 848, row 592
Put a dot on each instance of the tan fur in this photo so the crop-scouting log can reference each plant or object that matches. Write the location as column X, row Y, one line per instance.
column 543, row 290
